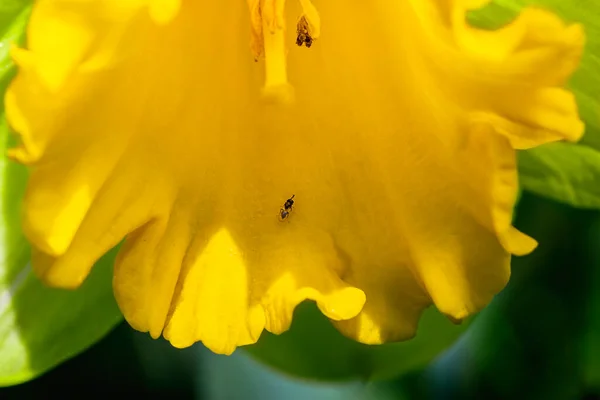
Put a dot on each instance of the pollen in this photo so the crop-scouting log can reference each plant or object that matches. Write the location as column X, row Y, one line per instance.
column 268, row 40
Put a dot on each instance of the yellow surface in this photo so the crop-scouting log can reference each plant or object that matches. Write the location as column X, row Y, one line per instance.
column 395, row 131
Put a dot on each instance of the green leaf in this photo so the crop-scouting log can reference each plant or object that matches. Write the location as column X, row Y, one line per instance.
column 314, row 349
column 563, row 172
column 39, row 327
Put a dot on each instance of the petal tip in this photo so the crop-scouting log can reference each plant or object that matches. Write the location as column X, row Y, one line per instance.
column 517, row 243
column 60, row 279
column 343, row 305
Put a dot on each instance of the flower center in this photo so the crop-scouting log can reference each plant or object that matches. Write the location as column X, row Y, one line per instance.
column 268, row 29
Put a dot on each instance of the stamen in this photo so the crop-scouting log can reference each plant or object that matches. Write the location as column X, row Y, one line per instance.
column 256, row 42
column 311, row 15
column 276, row 85
column 268, row 38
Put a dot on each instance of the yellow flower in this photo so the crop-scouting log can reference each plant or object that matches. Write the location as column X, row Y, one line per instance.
column 395, row 133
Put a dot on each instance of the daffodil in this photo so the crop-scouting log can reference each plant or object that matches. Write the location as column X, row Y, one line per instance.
column 185, row 126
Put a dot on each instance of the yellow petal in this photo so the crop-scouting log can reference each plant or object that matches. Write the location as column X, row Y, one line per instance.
column 513, row 75
column 163, row 11
column 397, row 143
